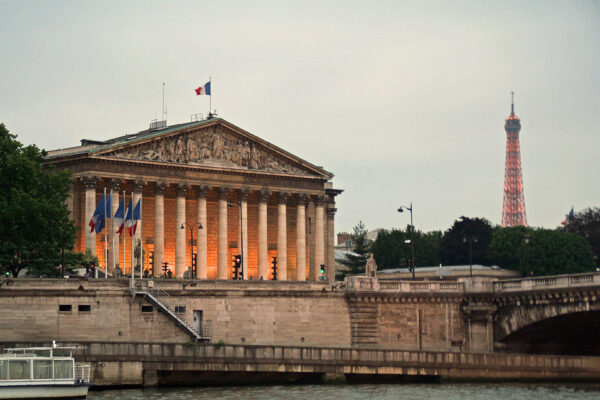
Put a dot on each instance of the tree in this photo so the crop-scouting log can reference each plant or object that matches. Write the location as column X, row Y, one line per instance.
column 356, row 260
column 454, row 248
column 587, row 225
column 391, row 251
column 35, row 226
column 548, row 252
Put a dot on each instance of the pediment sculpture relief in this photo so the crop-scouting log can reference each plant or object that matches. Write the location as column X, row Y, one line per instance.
column 209, row 147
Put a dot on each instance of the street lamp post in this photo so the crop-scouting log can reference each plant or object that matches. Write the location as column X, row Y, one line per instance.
column 471, row 241
column 241, row 246
column 192, row 226
column 526, row 239
column 412, row 241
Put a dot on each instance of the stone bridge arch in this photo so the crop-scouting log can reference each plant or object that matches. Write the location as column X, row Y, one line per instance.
column 549, row 321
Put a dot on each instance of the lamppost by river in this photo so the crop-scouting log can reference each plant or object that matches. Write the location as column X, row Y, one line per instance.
column 412, row 239
column 192, row 226
column 241, row 246
column 471, row 241
column 526, row 240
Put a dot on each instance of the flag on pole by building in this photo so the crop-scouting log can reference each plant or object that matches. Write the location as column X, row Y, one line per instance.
column 131, row 222
column 127, row 217
column 119, row 218
column 203, row 90
column 98, row 220
column 569, row 217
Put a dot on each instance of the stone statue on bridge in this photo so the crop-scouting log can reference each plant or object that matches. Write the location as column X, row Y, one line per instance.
column 371, row 266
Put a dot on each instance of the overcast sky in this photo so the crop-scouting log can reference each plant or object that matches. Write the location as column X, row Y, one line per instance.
column 404, row 101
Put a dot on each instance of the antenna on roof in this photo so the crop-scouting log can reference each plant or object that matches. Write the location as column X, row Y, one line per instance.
column 155, row 124
column 164, row 108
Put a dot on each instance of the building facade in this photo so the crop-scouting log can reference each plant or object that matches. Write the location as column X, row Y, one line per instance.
column 209, row 191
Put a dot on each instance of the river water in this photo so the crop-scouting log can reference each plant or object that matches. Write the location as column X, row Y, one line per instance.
column 445, row 391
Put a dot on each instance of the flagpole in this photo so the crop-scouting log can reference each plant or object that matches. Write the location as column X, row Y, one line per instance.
column 124, row 214
column 112, row 234
column 141, row 236
column 130, row 227
column 105, row 240
column 210, row 96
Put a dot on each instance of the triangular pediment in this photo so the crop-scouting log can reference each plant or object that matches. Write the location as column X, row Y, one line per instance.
column 216, row 144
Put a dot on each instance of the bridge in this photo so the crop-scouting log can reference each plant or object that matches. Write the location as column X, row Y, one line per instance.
column 534, row 328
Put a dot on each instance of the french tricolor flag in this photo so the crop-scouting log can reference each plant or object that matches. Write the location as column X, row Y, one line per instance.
column 203, row 90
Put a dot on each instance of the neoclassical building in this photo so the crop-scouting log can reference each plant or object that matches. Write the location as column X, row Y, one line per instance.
column 209, row 191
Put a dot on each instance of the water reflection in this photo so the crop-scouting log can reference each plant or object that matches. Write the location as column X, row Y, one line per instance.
column 504, row 391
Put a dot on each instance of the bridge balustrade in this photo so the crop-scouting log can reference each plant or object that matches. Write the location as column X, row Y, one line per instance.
column 548, row 282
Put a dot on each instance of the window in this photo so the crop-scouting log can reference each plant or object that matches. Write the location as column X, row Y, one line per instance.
column 63, row 369
column 64, row 307
column 147, row 309
column 84, row 308
column 179, row 309
column 42, row 369
column 3, row 369
column 18, row 369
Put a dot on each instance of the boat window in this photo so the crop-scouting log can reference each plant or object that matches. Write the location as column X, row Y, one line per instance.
column 64, row 307
column 84, row 308
column 18, row 369
column 42, row 369
column 3, row 369
column 63, row 369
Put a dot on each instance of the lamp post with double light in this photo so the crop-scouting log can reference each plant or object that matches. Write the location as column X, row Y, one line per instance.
column 411, row 241
column 471, row 240
column 192, row 226
column 526, row 239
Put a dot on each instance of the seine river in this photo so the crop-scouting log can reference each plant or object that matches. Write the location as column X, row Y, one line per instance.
column 445, row 391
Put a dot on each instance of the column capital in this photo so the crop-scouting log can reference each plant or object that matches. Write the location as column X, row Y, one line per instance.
column 159, row 187
column 182, row 189
column 302, row 199
column 115, row 184
column 263, row 196
column 202, row 191
column 331, row 213
column 319, row 200
column 283, row 197
column 244, row 193
column 223, row 192
column 138, row 186
column 90, row 182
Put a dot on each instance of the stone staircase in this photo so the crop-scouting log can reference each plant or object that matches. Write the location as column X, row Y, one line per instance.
column 160, row 299
column 363, row 322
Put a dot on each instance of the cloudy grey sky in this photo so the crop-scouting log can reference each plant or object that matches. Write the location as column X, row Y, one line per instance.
column 404, row 101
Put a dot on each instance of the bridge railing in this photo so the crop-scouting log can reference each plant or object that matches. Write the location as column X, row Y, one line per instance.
column 548, row 282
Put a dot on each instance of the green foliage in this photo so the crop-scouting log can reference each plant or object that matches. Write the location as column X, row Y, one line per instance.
column 391, row 251
column 454, row 248
column 587, row 225
column 34, row 222
column 356, row 262
column 549, row 252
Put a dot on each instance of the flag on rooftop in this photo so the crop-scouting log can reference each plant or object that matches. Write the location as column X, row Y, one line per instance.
column 569, row 217
column 203, row 90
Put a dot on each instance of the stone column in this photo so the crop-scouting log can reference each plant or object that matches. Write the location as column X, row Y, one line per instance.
column 263, row 268
column 319, row 236
column 282, row 237
column 90, row 205
column 138, row 240
column 69, row 201
column 201, row 257
column 329, row 242
column 222, row 244
column 180, row 233
column 244, row 230
column 113, row 238
column 301, row 239
column 159, row 227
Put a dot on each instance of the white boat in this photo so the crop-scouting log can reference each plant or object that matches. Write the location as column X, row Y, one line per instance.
column 42, row 373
